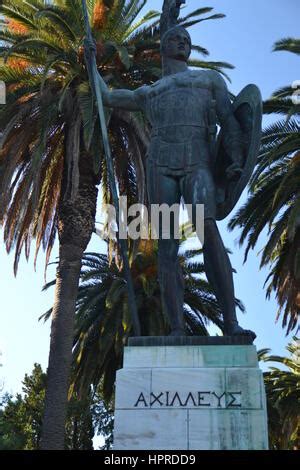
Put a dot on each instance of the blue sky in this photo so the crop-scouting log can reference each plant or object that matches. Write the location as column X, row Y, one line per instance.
column 244, row 38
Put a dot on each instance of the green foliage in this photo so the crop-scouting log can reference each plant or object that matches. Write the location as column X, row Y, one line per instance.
column 103, row 420
column 47, row 108
column 11, row 432
column 79, row 424
column 21, row 417
column 283, row 398
column 288, row 44
column 273, row 203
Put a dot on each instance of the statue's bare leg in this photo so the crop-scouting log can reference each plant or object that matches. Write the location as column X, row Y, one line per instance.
column 198, row 188
column 171, row 284
column 219, row 274
column 164, row 189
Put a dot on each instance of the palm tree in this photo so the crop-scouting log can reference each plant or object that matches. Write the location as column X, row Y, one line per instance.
column 274, row 202
column 102, row 324
column 283, row 398
column 50, row 154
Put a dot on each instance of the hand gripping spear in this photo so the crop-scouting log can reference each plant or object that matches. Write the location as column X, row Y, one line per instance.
column 93, row 73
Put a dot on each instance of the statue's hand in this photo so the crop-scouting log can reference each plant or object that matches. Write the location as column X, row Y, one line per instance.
column 234, row 171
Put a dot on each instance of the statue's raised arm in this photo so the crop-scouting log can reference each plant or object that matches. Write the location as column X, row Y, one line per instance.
column 132, row 100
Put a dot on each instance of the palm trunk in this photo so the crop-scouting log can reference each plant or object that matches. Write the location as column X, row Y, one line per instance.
column 75, row 227
column 60, row 356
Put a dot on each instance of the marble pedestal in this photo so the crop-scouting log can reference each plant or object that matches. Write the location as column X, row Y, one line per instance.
column 175, row 394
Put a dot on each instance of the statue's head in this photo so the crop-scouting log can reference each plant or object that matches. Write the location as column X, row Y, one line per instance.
column 176, row 44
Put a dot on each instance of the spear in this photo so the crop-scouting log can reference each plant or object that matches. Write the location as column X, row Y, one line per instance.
column 93, row 74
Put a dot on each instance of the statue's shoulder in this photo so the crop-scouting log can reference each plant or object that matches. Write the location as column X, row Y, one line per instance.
column 157, row 87
column 196, row 74
column 140, row 95
column 216, row 79
column 207, row 78
column 142, row 90
column 147, row 90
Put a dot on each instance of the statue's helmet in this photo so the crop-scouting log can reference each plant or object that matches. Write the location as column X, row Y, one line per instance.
column 171, row 32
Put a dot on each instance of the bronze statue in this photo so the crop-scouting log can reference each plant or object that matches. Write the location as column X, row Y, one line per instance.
column 186, row 158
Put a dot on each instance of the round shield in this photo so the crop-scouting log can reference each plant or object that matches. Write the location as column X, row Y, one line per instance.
column 247, row 108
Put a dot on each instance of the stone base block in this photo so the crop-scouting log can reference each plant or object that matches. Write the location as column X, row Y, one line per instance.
column 191, row 397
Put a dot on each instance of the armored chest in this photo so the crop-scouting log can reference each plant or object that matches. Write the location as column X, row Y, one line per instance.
column 178, row 108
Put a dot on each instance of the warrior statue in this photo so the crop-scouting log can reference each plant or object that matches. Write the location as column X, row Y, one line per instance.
column 187, row 159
